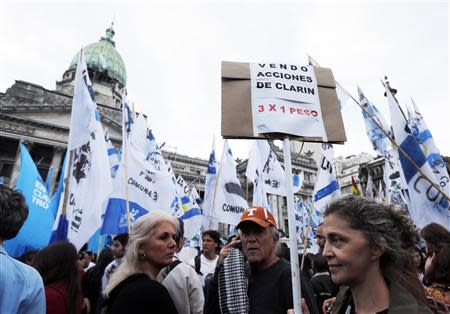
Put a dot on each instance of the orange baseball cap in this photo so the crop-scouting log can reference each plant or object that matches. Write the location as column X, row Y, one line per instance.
column 258, row 215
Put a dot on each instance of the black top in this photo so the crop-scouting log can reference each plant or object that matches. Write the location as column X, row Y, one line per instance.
column 269, row 291
column 323, row 287
column 140, row 294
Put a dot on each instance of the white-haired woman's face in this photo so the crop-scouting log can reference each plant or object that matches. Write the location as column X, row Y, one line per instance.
column 160, row 246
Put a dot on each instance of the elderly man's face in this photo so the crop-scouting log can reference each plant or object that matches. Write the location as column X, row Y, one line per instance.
column 258, row 243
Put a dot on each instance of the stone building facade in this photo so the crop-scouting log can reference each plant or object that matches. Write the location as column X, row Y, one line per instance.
column 40, row 118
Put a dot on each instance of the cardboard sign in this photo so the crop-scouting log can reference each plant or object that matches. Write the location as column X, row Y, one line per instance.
column 237, row 117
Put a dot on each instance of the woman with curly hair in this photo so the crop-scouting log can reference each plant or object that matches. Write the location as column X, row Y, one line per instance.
column 368, row 251
column 437, row 267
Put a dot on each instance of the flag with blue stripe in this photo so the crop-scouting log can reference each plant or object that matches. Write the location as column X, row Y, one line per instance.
column 427, row 204
column 143, row 175
column 327, row 186
column 89, row 182
column 36, row 231
column 191, row 214
column 423, row 137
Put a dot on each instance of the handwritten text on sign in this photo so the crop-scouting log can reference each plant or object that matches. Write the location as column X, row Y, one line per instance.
column 285, row 99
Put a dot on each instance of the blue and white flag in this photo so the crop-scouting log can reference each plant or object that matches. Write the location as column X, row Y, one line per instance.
column 326, row 187
column 143, row 176
column 89, row 180
column 396, row 187
column 424, row 138
column 427, row 204
column 192, row 216
column 36, row 231
column 210, row 183
column 113, row 155
column 380, row 142
column 263, row 165
column 197, row 197
column 229, row 202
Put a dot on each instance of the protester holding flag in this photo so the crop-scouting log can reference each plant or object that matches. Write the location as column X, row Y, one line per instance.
column 133, row 287
column 59, row 267
column 21, row 287
column 368, row 250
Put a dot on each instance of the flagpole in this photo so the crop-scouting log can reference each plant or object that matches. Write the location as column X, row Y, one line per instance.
column 127, row 203
column 215, row 186
column 67, row 185
column 295, row 272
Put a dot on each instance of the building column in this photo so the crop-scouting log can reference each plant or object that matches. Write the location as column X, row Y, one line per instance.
column 56, row 165
column 16, row 167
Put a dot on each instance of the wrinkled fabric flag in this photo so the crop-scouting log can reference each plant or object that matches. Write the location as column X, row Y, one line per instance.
column 263, row 165
column 397, row 189
column 142, row 175
column 229, row 202
column 326, row 187
column 210, row 183
column 89, row 167
column 427, row 205
column 113, row 155
column 36, row 231
column 424, row 138
column 191, row 216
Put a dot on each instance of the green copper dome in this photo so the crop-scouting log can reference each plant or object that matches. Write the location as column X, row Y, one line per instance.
column 103, row 56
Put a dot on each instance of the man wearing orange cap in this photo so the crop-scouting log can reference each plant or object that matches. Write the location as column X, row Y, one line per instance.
column 269, row 281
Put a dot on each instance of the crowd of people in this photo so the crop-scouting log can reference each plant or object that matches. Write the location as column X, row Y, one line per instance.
column 371, row 259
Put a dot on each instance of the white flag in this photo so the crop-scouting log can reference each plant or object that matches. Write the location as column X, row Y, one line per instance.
column 326, row 187
column 423, row 136
column 397, row 189
column 263, row 163
column 229, row 202
column 427, row 204
column 210, row 184
column 113, row 155
column 90, row 175
column 192, row 217
column 370, row 188
column 143, row 176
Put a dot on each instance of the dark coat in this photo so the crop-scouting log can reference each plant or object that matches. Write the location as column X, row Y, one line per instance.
column 401, row 302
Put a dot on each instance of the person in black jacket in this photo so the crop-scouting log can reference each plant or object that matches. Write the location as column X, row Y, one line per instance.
column 269, row 277
column 133, row 288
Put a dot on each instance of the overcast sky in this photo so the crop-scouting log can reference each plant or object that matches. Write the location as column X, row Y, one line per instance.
column 173, row 49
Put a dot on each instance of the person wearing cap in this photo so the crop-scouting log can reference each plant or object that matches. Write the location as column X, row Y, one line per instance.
column 269, row 277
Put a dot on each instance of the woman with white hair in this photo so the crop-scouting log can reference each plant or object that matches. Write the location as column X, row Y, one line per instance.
column 133, row 287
